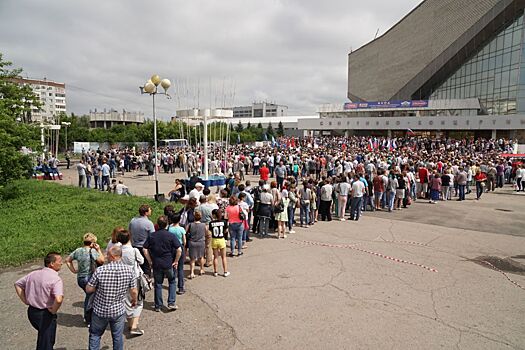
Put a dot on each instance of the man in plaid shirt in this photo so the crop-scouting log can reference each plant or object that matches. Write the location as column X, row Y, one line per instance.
column 110, row 283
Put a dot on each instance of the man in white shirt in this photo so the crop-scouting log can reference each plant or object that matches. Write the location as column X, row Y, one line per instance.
column 358, row 190
column 197, row 191
column 344, row 190
column 326, row 201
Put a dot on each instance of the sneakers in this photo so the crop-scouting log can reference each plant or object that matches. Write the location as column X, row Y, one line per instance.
column 292, row 231
column 156, row 309
column 215, row 274
column 226, row 274
column 342, row 219
column 181, row 291
column 172, row 307
column 136, row 331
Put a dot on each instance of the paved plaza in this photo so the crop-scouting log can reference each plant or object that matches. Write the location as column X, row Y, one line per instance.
column 411, row 279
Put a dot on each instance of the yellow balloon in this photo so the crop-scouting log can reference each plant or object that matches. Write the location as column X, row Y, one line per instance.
column 155, row 79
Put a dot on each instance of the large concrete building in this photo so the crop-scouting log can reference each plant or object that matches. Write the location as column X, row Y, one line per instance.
column 259, row 110
column 108, row 118
column 443, row 53
column 52, row 97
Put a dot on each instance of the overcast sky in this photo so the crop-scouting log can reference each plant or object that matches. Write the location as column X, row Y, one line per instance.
column 219, row 53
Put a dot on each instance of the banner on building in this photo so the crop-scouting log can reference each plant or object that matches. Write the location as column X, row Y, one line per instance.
column 387, row 104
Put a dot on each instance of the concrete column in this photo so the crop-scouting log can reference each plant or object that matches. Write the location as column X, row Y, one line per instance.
column 493, row 134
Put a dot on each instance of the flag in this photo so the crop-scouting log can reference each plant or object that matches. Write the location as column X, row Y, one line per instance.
column 273, row 141
column 394, row 144
column 389, row 145
column 370, row 146
column 410, row 132
column 238, row 138
column 265, row 137
column 376, row 143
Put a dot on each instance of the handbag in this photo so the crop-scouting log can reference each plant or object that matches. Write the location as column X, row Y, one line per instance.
column 242, row 216
column 144, row 282
column 279, row 208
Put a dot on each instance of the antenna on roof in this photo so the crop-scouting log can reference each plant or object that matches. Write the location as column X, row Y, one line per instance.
column 376, row 33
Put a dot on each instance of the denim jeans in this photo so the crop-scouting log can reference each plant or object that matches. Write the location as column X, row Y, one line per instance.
column 304, row 211
column 88, row 178
column 391, row 198
column 180, row 270
column 291, row 214
column 158, row 277
column 479, row 189
column 46, row 324
column 355, row 208
column 98, row 327
column 236, row 230
column 461, row 192
column 82, row 281
column 105, row 183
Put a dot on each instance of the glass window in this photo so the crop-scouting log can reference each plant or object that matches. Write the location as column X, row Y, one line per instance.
column 506, row 59
column 515, row 57
column 499, row 43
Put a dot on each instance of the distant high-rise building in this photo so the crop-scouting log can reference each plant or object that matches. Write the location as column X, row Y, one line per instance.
column 52, row 96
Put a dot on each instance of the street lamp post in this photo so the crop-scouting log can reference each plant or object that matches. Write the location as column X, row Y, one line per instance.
column 66, row 124
column 151, row 88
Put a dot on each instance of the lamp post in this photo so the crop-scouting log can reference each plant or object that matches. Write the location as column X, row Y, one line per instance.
column 66, row 124
column 151, row 88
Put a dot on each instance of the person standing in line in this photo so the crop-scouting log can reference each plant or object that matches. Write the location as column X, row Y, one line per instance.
column 141, row 227
column 235, row 227
column 461, row 180
column 358, row 191
column 163, row 251
column 43, row 292
column 280, row 174
column 264, row 173
column 218, row 227
column 196, row 243
column 480, row 179
column 105, row 171
column 88, row 257
column 180, row 233
column 111, row 283
column 326, row 201
column 81, row 169
column 132, row 257
column 520, row 178
column 344, row 190
column 435, row 187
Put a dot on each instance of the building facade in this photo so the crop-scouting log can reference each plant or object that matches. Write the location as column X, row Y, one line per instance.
column 259, row 110
column 52, row 97
column 444, row 52
column 108, row 118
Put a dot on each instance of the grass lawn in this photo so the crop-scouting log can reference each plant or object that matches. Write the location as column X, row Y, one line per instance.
column 51, row 217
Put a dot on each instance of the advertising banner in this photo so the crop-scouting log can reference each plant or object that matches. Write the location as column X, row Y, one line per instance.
column 387, row 104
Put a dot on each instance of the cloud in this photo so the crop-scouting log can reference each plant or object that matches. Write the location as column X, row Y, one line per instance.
column 293, row 52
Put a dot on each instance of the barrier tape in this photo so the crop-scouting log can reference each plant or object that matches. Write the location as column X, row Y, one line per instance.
column 350, row 246
column 504, row 274
column 408, row 242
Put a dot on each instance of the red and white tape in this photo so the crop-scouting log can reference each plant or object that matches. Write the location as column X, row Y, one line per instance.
column 504, row 274
column 350, row 246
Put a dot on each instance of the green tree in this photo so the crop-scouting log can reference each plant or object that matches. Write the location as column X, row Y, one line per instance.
column 249, row 126
column 269, row 129
column 259, row 125
column 280, row 129
column 239, row 127
column 15, row 109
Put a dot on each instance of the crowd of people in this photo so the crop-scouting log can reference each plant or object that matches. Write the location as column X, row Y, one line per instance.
column 300, row 183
